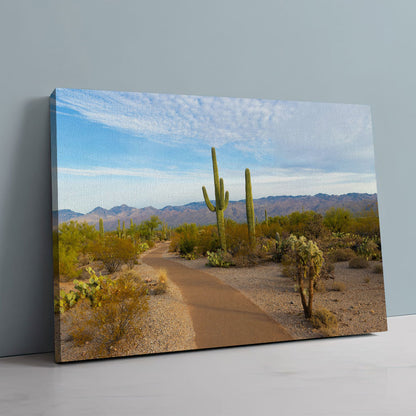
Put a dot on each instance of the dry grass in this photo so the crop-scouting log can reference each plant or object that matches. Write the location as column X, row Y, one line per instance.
column 162, row 282
column 339, row 286
column 106, row 327
column 378, row 269
column 358, row 263
column 326, row 322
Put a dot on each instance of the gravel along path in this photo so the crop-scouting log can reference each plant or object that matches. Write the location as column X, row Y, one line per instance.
column 359, row 306
column 166, row 327
column 221, row 315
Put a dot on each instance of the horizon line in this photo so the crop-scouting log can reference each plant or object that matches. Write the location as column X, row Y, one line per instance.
column 198, row 202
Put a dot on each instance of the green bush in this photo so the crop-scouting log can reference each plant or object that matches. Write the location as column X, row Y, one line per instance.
column 341, row 254
column 217, row 259
column 111, row 320
column 358, row 263
column 114, row 252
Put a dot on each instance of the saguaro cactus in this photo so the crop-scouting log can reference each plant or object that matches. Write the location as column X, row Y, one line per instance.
column 266, row 218
column 221, row 200
column 250, row 211
column 101, row 227
column 124, row 231
column 118, row 229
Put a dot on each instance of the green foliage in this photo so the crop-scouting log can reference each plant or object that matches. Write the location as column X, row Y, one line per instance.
column 217, row 259
column 341, row 254
column 142, row 247
column 251, row 220
column 185, row 239
column 308, row 260
column 368, row 249
column 338, row 219
column 101, row 227
column 221, row 200
column 73, row 239
column 114, row 252
column 113, row 315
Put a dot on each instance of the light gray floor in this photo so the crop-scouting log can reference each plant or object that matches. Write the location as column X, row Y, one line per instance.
column 363, row 375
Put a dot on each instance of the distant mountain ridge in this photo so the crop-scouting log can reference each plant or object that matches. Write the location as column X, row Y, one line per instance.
column 197, row 212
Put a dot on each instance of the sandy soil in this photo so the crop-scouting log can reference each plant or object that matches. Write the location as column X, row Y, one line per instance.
column 360, row 308
column 167, row 326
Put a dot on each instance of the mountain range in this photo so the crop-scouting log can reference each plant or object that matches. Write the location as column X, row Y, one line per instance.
column 197, row 212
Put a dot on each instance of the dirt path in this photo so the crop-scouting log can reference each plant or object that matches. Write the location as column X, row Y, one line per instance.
column 221, row 315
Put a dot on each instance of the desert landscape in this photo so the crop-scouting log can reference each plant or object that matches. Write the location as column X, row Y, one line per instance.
column 233, row 222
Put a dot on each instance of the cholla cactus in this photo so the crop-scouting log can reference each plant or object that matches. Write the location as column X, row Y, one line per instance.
column 308, row 259
column 221, row 200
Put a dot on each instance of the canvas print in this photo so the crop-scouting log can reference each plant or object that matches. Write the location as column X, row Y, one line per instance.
column 186, row 222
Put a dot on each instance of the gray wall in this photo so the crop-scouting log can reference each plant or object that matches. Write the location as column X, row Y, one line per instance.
column 349, row 51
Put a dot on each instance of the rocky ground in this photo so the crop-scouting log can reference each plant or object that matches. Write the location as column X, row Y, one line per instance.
column 359, row 306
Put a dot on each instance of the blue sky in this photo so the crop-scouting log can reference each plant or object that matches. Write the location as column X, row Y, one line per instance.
column 142, row 149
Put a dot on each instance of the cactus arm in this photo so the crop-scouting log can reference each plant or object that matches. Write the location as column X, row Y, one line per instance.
column 221, row 199
column 227, row 197
column 207, row 201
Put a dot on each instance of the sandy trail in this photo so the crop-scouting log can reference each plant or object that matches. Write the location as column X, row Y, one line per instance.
column 222, row 316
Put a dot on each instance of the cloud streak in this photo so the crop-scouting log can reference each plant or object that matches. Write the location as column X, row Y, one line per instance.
column 294, row 133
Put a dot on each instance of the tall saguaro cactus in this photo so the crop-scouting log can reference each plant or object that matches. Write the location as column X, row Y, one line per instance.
column 250, row 211
column 221, row 200
column 101, row 227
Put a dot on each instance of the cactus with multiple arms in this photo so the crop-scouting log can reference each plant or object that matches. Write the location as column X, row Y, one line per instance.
column 221, row 200
column 250, row 211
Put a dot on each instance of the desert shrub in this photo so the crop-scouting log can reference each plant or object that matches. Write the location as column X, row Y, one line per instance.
column 185, row 239
column 84, row 259
column 319, row 286
column 341, row 254
column 236, row 238
column 306, row 223
column 358, row 263
column 208, row 239
column 142, row 247
column 67, row 260
column 326, row 322
column 367, row 280
column 378, row 268
column 339, row 286
column 217, row 259
column 114, row 252
column 162, row 283
column 289, row 266
column 189, row 256
column 368, row 249
column 150, row 243
column 367, row 224
column 338, row 219
column 116, row 316
column 92, row 291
